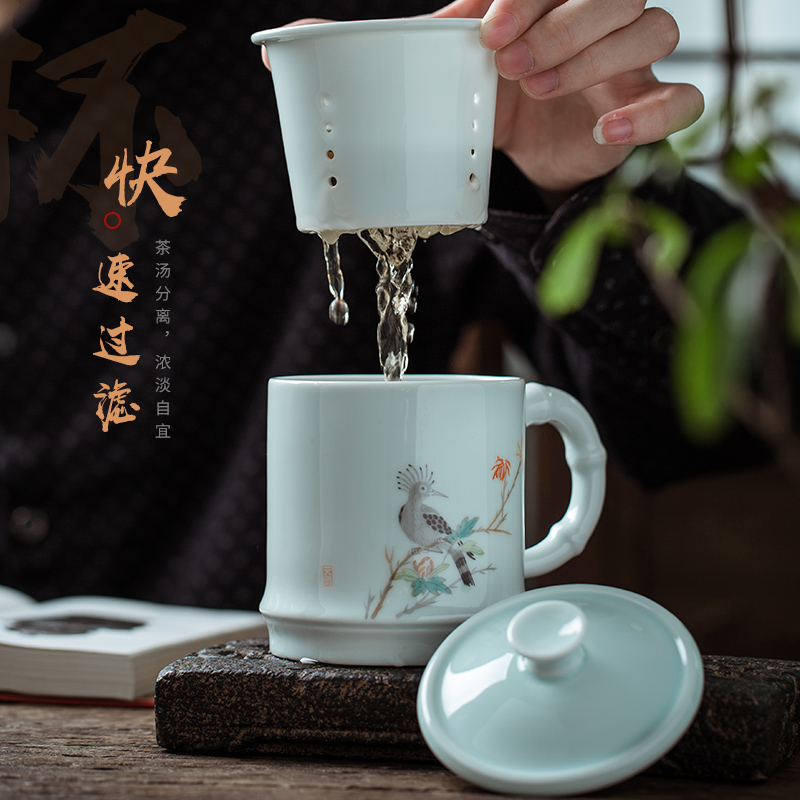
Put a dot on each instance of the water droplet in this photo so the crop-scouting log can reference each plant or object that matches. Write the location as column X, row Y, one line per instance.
column 339, row 311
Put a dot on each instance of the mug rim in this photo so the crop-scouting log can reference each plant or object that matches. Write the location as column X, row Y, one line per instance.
column 290, row 33
column 408, row 380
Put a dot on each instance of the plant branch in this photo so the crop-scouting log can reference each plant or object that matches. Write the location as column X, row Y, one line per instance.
column 500, row 517
column 431, row 599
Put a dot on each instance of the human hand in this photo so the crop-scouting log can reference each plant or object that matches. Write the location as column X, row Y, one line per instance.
column 577, row 91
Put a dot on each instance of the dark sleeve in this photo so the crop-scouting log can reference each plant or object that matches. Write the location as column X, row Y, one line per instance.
column 614, row 353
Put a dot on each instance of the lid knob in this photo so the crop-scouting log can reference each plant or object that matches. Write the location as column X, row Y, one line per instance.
column 549, row 636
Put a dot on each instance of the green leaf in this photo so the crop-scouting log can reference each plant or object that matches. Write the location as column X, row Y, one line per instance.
column 567, row 279
column 698, row 375
column 711, row 267
column 789, row 230
column 717, row 340
column 437, row 586
column 767, row 99
column 406, row 575
column 766, row 95
column 745, row 167
column 657, row 162
column 744, row 306
column 471, row 547
column 441, row 568
column 668, row 244
column 789, row 224
column 465, row 527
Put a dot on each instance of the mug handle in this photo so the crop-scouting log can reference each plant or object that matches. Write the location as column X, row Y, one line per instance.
column 586, row 458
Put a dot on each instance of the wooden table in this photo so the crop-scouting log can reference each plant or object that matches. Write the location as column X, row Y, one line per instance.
column 49, row 751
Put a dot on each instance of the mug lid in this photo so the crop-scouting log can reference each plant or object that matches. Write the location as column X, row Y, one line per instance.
column 560, row 690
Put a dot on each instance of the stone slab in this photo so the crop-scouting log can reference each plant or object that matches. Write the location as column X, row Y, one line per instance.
column 239, row 699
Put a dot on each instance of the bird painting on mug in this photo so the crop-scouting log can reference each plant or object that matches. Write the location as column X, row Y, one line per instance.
column 430, row 533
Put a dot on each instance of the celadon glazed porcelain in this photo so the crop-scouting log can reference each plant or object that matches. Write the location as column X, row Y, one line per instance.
column 395, row 508
column 385, row 123
column 561, row 690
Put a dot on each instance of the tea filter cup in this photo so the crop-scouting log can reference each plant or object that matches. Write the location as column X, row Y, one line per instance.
column 385, row 123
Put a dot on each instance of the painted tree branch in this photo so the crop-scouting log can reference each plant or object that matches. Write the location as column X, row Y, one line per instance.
column 431, row 599
column 500, row 517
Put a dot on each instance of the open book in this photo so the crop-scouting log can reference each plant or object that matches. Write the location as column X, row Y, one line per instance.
column 104, row 647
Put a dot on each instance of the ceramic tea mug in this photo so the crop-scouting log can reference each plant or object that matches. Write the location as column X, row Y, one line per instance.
column 395, row 508
column 385, row 123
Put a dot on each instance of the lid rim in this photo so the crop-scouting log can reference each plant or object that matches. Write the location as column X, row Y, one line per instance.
column 565, row 781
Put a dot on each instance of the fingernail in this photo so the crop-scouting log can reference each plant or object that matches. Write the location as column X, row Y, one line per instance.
column 499, row 31
column 615, row 131
column 514, row 61
column 542, row 82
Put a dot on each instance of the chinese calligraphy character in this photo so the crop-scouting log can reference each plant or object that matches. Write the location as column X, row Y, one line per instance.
column 111, row 407
column 162, row 431
column 162, row 270
column 162, row 293
column 117, row 276
column 162, row 362
column 162, row 249
column 162, row 315
column 13, row 47
column 108, row 112
column 116, row 341
column 162, row 385
column 162, row 408
column 170, row 204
